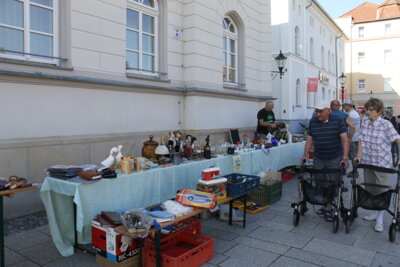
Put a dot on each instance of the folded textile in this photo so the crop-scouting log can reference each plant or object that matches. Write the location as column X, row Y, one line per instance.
column 90, row 175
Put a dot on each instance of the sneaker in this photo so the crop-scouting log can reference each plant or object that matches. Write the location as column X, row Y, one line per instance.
column 371, row 217
column 328, row 215
column 379, row 227
column 321, row 211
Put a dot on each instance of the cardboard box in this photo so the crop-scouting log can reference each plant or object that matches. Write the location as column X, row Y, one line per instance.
column 107, row 243
column 131, row 262
column 196, row 199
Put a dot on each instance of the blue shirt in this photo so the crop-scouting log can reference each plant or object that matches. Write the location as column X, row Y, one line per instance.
column 341, row 114
column 326, row 137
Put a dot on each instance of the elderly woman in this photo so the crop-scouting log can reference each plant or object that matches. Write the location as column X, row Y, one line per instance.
column 376, row 136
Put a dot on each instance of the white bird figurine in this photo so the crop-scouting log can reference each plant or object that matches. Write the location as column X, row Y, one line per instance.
column 109, row 161
column 119, row 156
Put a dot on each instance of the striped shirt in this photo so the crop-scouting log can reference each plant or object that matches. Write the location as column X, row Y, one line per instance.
column 326, row 137
column 376, row 139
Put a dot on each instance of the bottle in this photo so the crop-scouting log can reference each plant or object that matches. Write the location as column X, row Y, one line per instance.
column 207, row 148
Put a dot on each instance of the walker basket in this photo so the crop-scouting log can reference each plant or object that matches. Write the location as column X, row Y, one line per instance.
column 317, row 195
column 368, row 201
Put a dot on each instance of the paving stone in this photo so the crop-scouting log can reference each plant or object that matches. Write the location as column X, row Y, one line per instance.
column 234, row 262
column 217, row 233
column 385, row 260
column 333, row 250
column 25, row 239
column 217, row 259
column 221, row 246
column 251, row 255
column 316, row 258
column 25, row 263
column 44, row 229
column 42, row 253
column 78, row 259
column 305, row 222
column 262, row 244
column 236, row 228
column 208, row 265
column 287, row 262
column 297, row 240
column 12, row 257
column 379, row 242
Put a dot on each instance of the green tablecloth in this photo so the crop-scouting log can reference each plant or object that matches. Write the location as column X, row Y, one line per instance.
column 140, row 189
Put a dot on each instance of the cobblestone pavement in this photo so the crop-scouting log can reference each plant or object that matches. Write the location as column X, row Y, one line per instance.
column 269, row 239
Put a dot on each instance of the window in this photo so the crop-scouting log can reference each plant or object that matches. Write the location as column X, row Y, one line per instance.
column 297, row 41
column 360, row 32
column 329, row 60
column 294, row 5
column 322, row 58
column 361, row 58
column 141, row 37
column 361, row 85
column 323, row 93
column 311, row 22
column 333, row 62
column 28, row 30
column 387, row 85
column 312, row 50
column 388, row 28
column 229, row 44
column 298, row 92
column 387, row 56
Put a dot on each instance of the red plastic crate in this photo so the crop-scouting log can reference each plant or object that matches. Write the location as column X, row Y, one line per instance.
column 180, row 249
column 287, row 176
column 192, row 225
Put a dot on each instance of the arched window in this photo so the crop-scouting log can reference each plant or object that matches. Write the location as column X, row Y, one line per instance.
column 311, row 50
column 142, row 36
column 297, row 41
column 322, row 58
column 298, row 92
column 230, row 51
column 329, row 61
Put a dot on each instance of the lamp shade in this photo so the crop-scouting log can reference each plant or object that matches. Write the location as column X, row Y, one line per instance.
column 161, row 150
column 280, row 60
column 342, row 79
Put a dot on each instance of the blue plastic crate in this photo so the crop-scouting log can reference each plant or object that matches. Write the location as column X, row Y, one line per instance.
column 239, row 184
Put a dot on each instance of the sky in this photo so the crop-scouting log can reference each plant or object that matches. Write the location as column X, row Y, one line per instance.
column 336, row 8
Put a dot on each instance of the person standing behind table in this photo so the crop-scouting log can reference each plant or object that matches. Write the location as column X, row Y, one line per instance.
column 355, row 118
column 391, row 118
column 328, row 134
column 266, row 118
column 374, row 148
column 335, row 106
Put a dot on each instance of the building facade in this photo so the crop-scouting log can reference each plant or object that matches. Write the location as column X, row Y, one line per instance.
column 313, row 45
column 79, row 77
column 373, row 61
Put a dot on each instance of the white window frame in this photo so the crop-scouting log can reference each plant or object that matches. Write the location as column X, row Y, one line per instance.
column 361, row 58
column 297, row 41
column 387, row 56
column 26, row 29
column 329, row 61
column 298, row 92
column 227, row 35
column 361, row 32
column 139, row 7
column 387, row 85
column 361, row 85
column 388, row 28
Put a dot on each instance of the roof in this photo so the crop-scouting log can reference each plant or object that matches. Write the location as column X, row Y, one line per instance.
column 369, row 11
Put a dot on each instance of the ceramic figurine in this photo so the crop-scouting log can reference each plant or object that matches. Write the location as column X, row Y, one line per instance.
column 119, row 156
column 149, row 147
column 110, row 159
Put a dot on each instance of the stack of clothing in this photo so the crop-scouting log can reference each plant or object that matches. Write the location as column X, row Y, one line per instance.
column 64, row 171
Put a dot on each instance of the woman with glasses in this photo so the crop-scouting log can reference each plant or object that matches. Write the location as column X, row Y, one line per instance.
column 376, row 137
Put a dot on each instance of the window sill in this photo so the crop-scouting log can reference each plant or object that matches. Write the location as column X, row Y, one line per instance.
column 298, row 106
column 147, row 77
column 235, row 86
column 34, row 64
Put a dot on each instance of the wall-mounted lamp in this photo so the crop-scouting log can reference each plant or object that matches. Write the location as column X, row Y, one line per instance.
column 280, row 62
column 342, row 79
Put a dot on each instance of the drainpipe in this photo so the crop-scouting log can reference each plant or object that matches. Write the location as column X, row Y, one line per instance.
column 336, row 71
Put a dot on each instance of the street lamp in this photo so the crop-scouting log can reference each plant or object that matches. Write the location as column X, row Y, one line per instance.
column 280, row 62
column 342, row 79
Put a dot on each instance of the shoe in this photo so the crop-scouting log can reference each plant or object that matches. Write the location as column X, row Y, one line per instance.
column 328, row 216
column 371, row 217
column 321, row 211
column 379, row 227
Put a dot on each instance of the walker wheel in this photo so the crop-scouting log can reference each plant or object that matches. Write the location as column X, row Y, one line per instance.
column 296, row 217
column 303, row 209
column 335, row 223
column 392, row 232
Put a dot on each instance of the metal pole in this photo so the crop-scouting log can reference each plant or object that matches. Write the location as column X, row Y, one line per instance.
column 1, row 232
column 342, row 97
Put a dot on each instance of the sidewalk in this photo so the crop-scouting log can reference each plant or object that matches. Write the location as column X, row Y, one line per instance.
column 269, row 239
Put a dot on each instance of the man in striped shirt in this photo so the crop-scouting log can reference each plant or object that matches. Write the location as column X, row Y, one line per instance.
column 328, row 134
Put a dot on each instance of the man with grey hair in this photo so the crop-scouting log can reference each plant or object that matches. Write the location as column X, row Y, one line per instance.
column 266, row 118
column 389, row 116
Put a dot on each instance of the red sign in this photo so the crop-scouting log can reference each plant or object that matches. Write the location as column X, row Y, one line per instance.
column 312, row 85
column 340, row 93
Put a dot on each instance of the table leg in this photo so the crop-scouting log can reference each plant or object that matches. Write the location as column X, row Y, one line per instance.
column 244, row 211
column 158, row 248
column 75, row 231
column 230, row 211
column 1, row 232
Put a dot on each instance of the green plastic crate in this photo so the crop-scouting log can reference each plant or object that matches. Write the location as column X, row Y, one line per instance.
column 267, row 194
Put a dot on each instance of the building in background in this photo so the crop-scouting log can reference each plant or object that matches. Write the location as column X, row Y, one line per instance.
column 79, row 77
column 372, row 52
column 314, row 47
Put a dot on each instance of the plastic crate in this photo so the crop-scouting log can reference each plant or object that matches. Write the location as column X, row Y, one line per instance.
column 192, row 225
column 287, row 176
column 180, row 249
column 236, row 188
column 267, row 194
